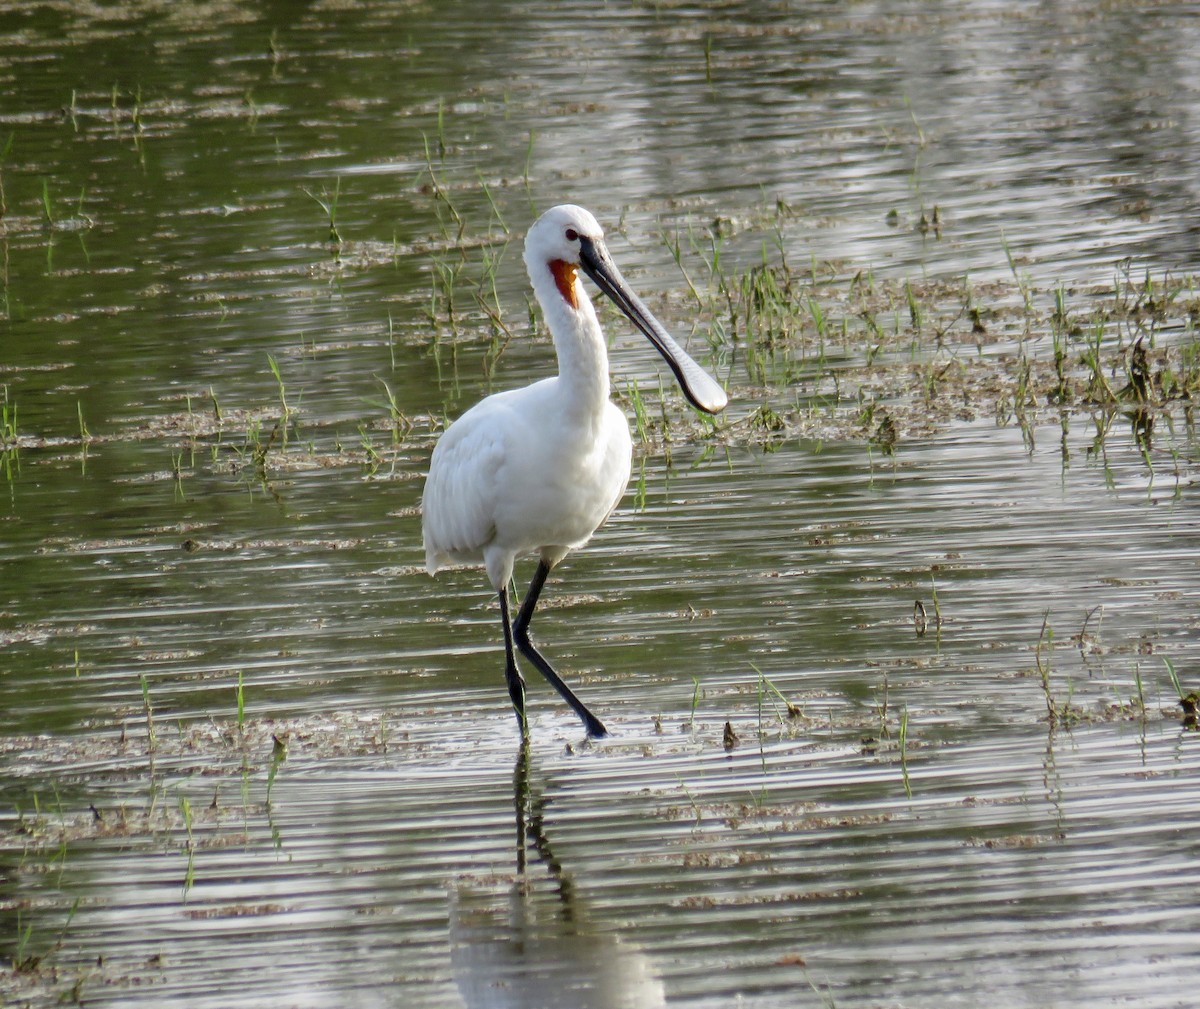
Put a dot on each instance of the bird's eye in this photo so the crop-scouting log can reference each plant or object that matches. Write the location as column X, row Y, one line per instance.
column 572, row 234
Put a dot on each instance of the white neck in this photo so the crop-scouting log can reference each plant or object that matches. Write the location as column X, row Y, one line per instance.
column 578, row 341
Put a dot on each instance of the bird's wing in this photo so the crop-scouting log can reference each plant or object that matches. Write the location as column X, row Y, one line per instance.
column 457, row 505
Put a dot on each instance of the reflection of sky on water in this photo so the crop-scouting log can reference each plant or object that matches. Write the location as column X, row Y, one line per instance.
column 503, row 954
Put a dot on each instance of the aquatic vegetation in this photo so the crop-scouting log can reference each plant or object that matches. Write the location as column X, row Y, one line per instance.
column 328, row 202
column 818, row 331
column 10, row 443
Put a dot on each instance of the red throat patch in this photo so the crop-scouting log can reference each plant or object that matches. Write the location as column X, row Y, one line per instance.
column 564, row 280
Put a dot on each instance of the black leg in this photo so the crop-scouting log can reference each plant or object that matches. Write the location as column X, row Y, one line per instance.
column 521, row 635
column 516, row 683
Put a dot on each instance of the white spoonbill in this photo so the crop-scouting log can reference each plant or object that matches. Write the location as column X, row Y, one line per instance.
column 538, row 470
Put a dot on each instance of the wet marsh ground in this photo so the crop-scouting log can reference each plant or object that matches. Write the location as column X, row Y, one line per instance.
column 893, row 650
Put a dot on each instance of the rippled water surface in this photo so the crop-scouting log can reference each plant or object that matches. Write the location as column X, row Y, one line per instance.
column 891, row 657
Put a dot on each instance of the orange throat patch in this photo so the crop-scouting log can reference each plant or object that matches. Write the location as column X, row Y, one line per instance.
column 564, row 280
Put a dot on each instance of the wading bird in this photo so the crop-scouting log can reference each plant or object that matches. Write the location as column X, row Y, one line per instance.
column 538, row 470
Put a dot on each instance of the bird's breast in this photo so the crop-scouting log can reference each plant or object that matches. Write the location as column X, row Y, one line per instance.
column 567, row 484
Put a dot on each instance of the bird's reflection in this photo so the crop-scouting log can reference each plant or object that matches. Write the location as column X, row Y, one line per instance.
column 533, row 945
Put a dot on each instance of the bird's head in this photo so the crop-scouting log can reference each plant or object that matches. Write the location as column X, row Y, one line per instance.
column 566, row 239
column 558, row 240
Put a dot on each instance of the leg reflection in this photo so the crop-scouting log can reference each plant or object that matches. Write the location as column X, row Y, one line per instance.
column 536, row 946
column 530, row 810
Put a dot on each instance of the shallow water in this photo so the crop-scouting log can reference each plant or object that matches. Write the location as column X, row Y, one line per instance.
column 917, row 833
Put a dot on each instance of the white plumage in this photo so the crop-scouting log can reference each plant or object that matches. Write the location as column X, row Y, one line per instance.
column 537, row 470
